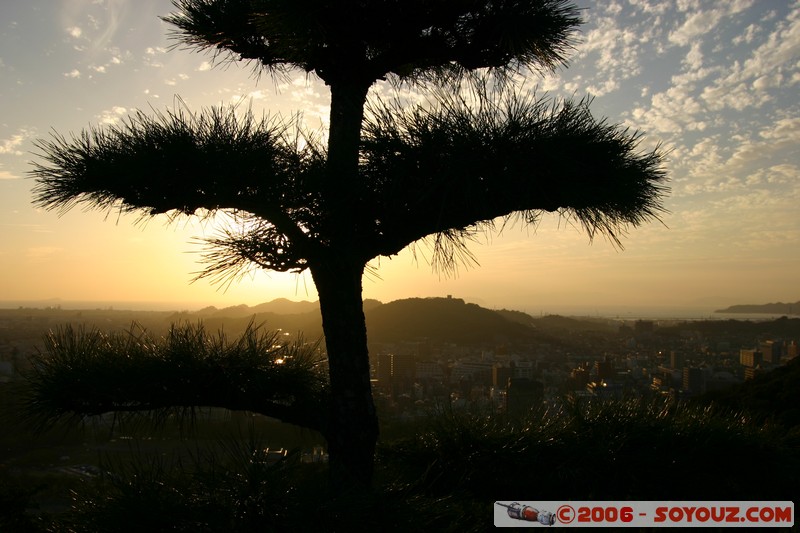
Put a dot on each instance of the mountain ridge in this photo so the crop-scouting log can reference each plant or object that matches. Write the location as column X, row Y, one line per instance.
column 779, row 308
column 436, row 319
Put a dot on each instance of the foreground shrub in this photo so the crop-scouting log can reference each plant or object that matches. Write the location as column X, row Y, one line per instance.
column 624, row 450
column 447, row 473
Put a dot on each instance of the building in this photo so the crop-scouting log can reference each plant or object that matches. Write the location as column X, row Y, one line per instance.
column 478, row 372
column 771, row 351
column 751, row 372
column 428, row 370
column 395, row 373
column 522, row 394
column 792, row 350
column 500, row 376
column 523, row 369
column 604, row 370
column 750, row 358
column 694, row 381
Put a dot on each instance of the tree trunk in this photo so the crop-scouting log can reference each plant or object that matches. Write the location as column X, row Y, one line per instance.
column 342, row 188
column 352, row 428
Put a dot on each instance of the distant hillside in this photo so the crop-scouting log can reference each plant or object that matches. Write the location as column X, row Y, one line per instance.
column 778, row 308
column 442, row 320
column 280, row 306
column 774, row 395
column 437, row 319
column 516, row 316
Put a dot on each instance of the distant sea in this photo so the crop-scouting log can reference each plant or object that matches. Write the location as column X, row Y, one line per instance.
column 121, row 305
column 671, row 313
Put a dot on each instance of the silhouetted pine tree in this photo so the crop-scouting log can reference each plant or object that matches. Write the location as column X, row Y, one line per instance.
column 386, row 177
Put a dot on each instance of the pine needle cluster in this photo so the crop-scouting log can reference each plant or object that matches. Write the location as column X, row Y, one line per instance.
column 83, row 372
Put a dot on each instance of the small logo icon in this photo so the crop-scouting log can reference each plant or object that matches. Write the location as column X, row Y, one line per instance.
column 565, row 514
column 528, row 513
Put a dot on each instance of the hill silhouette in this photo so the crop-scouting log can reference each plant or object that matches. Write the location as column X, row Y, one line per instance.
column 442, row 320
column 281, row 306
column 778, row 308
column 437, row 319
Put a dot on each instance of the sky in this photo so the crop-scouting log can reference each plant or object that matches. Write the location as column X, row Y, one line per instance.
column 715, row 83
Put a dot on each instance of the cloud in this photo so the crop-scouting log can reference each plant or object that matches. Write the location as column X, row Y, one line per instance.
column 114, row 12
column 11, row 145
column 782, row 134
column 767, row 67
column 615, row 50
column 6, row 175
column 603, row 88
column 748, row 35
column 743, row 217
column 670, row 112
column 94, row 22
column 695, row 25
column 748, row 162
column 655, row 6
column 784, row 130
column 768, row 81
column 41, row 253
column 784, row 174
column 113, row 61
column 74, row 74
column 694, row 58
column 113, row 115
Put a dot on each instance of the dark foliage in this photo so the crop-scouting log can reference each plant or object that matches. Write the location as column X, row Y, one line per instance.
column 411, row 39
column 16, row 503
column 453, row 166
column 772, row 397
column 83, row 373
column 629, row 450
column 441, row 478
column 447, row 172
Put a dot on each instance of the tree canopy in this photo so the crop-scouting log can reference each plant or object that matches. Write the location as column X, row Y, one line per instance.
column 466, row 162
column 363, row 41
column 387, row 175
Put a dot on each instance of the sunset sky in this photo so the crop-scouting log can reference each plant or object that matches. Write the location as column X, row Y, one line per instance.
column 715, row 82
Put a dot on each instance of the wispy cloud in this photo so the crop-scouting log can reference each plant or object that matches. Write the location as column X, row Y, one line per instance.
column 42, row 253
column 6, row 175
column 94, row 23
column 113, row 115
column 769, row 66
column 75, row 32
column 11, row 146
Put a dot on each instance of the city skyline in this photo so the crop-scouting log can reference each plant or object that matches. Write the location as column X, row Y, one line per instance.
column 715, row 84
